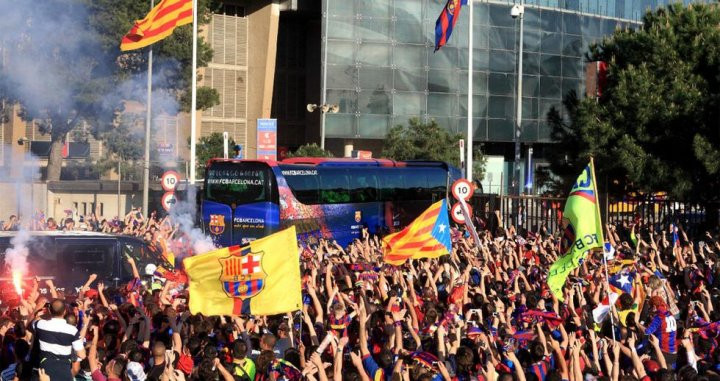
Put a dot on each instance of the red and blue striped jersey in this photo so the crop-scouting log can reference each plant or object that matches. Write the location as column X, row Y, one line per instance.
column 664, row 327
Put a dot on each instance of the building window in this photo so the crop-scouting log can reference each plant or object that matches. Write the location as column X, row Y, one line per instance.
column 233, row 10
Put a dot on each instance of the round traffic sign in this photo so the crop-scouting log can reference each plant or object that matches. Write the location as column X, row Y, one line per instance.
column 457, row 214
column 168, row 201
column 170, row 180
column 462, row 189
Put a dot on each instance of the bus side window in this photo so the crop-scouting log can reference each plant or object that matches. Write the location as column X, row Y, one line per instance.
column 390, row 184
column 437, row 183
column 363, row 186
column 416, row 186
column 304, row 187
column 334, row 186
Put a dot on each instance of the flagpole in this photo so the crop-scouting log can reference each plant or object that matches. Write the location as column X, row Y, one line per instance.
column 193, row 98
column 148, row 124
column 469, row 154
column 607, row 284
column 601, row 239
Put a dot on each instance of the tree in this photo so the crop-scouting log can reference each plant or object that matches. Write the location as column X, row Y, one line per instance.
column 64, row 66
column 428, row 141
column 209, row 147
column 310, row 150
column 656, row 125
column 125, row 144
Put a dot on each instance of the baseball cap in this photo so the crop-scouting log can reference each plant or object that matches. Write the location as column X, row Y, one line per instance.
column 135, row 372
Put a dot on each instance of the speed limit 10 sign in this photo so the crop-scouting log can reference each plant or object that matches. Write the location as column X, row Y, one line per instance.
column 462, row 189
column 170, row 180
column 457, row 214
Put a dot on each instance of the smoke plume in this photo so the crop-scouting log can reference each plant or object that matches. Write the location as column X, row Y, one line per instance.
column 184, row 214
column 16, row 256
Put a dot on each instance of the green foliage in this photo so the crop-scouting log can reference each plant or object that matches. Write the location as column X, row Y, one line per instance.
column 124, row 144
column 310, row 150
column 209, row 147
column 655, row 127
column 428, row 141
column 479, row 161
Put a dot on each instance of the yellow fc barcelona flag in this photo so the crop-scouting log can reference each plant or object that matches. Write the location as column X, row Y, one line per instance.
column 262, row 278
column 582, row 229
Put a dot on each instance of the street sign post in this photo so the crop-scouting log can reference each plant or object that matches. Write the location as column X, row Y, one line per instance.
column 462, row 189
column 170, row 180
column 457, row 213
column 168, row 201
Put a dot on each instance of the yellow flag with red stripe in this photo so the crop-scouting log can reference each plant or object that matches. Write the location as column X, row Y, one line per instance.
column 158, row 24
column 428, row 236
column 262, row 278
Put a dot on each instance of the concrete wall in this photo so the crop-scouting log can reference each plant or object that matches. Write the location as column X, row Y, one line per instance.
column 106, row 203
column 264, row 18
column 48, row 199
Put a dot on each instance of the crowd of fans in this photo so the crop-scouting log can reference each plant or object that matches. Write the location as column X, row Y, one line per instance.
column 484, row 312
column 134, row 223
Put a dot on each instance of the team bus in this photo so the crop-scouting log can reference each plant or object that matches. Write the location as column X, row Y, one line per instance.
column 331, row 198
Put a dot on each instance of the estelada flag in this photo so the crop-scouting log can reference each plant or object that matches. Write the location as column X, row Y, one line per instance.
column 158, row 24
column 428, row 236
column 262, row 278
column 446, row 22
column 582, row 229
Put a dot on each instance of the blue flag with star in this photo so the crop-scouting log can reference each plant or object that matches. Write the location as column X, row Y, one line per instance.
column 623, row 281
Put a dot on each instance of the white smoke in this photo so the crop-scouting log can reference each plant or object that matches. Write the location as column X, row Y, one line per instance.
column 184, row 213
column 16, row 256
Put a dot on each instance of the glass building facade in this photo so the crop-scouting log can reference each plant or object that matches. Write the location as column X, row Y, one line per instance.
column 381, row 68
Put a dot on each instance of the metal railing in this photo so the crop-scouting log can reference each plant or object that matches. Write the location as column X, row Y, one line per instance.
column 533, row 212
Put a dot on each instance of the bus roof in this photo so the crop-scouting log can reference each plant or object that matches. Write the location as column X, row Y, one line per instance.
column 338, row 162
column 331, row 161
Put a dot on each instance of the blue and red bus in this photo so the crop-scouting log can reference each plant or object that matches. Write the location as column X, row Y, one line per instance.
column 331, row 198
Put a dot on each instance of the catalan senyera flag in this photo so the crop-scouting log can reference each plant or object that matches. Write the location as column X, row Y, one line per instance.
column 262, row 278
column 583, row 229
column 428, row 236
column 158, row 24
column 446, row 22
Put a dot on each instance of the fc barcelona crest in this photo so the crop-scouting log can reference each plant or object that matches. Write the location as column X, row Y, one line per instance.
column 451, row 5
column 242, row 276
column 217, row 224
column 358, row 216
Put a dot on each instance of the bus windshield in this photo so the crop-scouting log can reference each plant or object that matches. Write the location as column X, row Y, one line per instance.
column 233, row 183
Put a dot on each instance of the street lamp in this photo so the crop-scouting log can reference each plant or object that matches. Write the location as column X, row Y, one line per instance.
column 324, row 109
column 518, row 10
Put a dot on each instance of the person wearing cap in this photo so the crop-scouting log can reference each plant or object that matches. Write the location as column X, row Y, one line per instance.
column 135, row 372
column 238, row 152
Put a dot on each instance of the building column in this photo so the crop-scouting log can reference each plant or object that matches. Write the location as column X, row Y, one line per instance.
column 262, row 45
column 349, row 147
